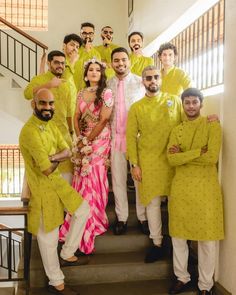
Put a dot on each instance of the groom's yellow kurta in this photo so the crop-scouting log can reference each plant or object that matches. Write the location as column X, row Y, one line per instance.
column 150, row 121
column 195, row 202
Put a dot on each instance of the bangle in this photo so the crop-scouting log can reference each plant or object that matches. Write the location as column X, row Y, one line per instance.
column 55, row 161
column 133, row 165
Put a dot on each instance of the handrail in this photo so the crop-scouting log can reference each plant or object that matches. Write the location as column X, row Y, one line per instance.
column 45, row 47
column 3, row 226
column 13, row 210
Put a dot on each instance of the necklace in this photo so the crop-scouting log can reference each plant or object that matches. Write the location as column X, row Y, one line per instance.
column 92, row 88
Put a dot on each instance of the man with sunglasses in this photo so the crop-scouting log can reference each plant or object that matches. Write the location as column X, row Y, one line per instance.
column 150, row 121
column 54, row 81
column 86, row 51
column 106, row 48
column 138, row 60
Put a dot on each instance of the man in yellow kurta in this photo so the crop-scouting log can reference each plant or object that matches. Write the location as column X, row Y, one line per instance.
column 63, row 101
column 86, row 51
column 43, row 148
column 195, row 202
column 71, row 45
column 174, row 79
column 137, row 59
column 105, row 49
column 150, row 121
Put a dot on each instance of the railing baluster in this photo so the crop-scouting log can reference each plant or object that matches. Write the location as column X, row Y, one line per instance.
column 8, row 51
column 9, row 255
column 1, row 251
column 36, row 60
column 29, row 65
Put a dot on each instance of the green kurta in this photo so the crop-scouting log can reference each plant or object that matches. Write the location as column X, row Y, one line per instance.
column 195, row 202
column 105, row 53
column 79, row 65
column 49, row 194
column 63, row 108
column 175, row 81
column 138, row 63
column 150, row 121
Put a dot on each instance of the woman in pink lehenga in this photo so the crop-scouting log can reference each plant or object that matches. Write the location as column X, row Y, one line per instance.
column 91, row 152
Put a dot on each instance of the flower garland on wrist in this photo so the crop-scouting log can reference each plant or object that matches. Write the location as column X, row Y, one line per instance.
column 81, row 156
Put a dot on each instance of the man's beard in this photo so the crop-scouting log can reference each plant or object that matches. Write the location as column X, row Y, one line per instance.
column 135, row 47
column 39, row 114
column 153, row 89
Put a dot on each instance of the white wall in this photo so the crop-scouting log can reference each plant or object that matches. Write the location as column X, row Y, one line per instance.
column 65, row 17
column 227, row 261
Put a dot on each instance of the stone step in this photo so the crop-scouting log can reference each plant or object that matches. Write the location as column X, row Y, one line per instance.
column 132, row 219
column 107, row 268
column 7, row 290
column 147, row 287
column 133, row 240
column 130, row 193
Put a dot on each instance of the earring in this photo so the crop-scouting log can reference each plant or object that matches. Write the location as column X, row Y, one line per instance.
column 85, row 79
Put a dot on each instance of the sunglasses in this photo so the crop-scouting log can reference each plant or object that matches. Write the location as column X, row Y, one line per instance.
column 107, row 32
column 87, row 34
column 149, row 78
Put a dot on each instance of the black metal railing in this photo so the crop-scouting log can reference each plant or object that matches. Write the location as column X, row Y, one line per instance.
column 12, row 240
column 11, row 171
column 201, row 48
column 19, row 52
column 9, row 261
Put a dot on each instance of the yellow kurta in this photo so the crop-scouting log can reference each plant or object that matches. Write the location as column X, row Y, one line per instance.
column 138, row 63
column 175, row 81
column 79, row 65
column 69, row 76
column 105, row 53
column 195, row 202
column 150, row 121
column 49, row 194
column 63, row 108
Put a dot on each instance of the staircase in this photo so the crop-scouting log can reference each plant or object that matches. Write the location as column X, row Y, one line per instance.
column 118, row 265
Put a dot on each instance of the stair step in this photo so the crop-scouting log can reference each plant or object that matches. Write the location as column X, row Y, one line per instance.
column 107, row 268
column 147, row 287
column 130, row 193
column 7, row 290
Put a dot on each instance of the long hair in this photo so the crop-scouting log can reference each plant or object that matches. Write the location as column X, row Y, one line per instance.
column 101, row 83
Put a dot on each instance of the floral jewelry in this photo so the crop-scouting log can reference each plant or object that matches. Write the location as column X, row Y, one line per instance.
column 81, row 158
column 93, row 61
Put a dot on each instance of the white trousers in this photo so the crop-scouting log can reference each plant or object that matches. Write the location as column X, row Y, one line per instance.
column 206, row 262
column 140, row 209
column 68, row 176
column 119, row 186
column 48, row 243
column 153, row 211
